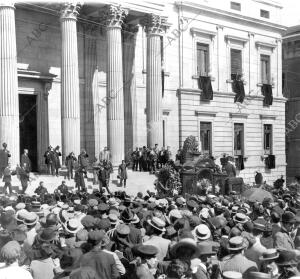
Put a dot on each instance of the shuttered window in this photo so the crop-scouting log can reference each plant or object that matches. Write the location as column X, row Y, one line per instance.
column 267, row 139
column 205, row 137
column 265, row 68
column 235, row 62
column 202, row 59
column 238, row 139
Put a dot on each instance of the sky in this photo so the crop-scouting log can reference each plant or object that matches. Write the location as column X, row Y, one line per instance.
column 291, row 12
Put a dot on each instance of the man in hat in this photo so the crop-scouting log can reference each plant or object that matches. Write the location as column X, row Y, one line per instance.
column 282, row 239
column 104, row 176
column 70, row 163
column 63, row 188
column 236, row 261
column 135, row 235
column 104, row 155
column 26, row 160
column 122, row 173
column 48, row 160
column 41, row 190
column 102, row 262
column 23, row 173
column 256, row 249
column 10, row 253
column 146, row 262
column 155, row 227
column 4, row 158
column 7, row 173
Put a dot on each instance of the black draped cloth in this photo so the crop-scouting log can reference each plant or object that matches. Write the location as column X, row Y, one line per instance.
column 238, row 88
column 267, row 93
column 270, row 162
column 204, row 83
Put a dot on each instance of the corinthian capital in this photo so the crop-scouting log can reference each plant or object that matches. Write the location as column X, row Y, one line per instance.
column 70, row 10
column 114, row 15
column 155, row 24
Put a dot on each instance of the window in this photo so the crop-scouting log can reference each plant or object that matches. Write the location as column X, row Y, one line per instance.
column 238, row 139
column 205, row 137
column 235, row 6
column 265, row 68
column 264, row 13
column 202, row 59
column 235, row 62
column 267, row 139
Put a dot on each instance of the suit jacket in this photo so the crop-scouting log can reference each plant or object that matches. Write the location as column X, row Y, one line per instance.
column 26, row 159
column 283, row 241
column 4, row 155
column 161, row 244
column 230, row 170
column 135, row 235
column 238, row 263
column 103, row 263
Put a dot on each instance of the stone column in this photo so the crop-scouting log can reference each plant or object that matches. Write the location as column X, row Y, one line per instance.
column 130, row 98
column 9, row 103
column 114, row 16
column 155, row 26
column 70, row 106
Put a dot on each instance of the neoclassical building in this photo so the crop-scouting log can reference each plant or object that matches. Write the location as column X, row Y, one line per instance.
column 140, row 73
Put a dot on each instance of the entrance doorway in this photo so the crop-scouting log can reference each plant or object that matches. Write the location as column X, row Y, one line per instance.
column 28, row 127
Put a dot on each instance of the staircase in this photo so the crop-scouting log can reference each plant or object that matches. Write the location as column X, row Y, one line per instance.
column 136, row 182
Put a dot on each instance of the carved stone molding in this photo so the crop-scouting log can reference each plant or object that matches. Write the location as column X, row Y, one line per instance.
column 70, row 11
column 130, row 31
column 114, row 15
column 155, row 24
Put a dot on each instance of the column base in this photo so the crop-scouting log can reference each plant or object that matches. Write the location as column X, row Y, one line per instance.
column 115, row 139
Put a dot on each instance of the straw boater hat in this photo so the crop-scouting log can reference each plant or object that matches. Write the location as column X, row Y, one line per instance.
column 240, row 218
column 236, row 243
column 73, row 226
column 202, row 232
column 30, row 219
column 157, row 224
column 270, row 254
column 232, row 275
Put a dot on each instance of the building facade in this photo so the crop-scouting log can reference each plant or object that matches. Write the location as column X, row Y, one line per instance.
column 132, row 75
column 290, row 79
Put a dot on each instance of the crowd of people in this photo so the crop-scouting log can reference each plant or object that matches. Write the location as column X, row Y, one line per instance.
column 113, row 235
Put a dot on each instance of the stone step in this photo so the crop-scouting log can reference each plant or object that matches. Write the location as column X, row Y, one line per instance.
column 136, row 182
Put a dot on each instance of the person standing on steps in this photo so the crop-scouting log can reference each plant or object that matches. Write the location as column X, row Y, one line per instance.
column 8, row 172
column 70, row 161
column 26, row 160
column 122, row 173
column 56, row 160
column 4, row 158
column 48, row 160
column 23, row 174
column 83, row 161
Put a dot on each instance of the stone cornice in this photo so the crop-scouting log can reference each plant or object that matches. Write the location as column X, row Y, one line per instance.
column 155, row 24
column 265, row 44
column 205, row 113
column 114, row 15
column 70, row 11
column 234, row 16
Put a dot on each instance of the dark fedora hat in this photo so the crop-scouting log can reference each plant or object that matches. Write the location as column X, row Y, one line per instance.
column 270, row 254
column 127, row 215
column 47, row 235
column 287, row 258
column 288, row 217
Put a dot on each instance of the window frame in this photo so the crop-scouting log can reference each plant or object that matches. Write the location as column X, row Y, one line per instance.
column 264, row 12
column 237, row 152
column 270, row 150
column 206, row 61
column 209, row 150
column 268, row 78
column 236, row 6
column 241, row 63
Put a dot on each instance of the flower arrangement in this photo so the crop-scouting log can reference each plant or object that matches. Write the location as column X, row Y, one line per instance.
column 168, row 181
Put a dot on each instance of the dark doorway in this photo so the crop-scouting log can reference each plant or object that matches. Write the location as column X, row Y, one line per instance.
column 28, row 127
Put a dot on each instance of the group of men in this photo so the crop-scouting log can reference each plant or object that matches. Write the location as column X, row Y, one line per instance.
column 113, row 235
column 150, row 159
